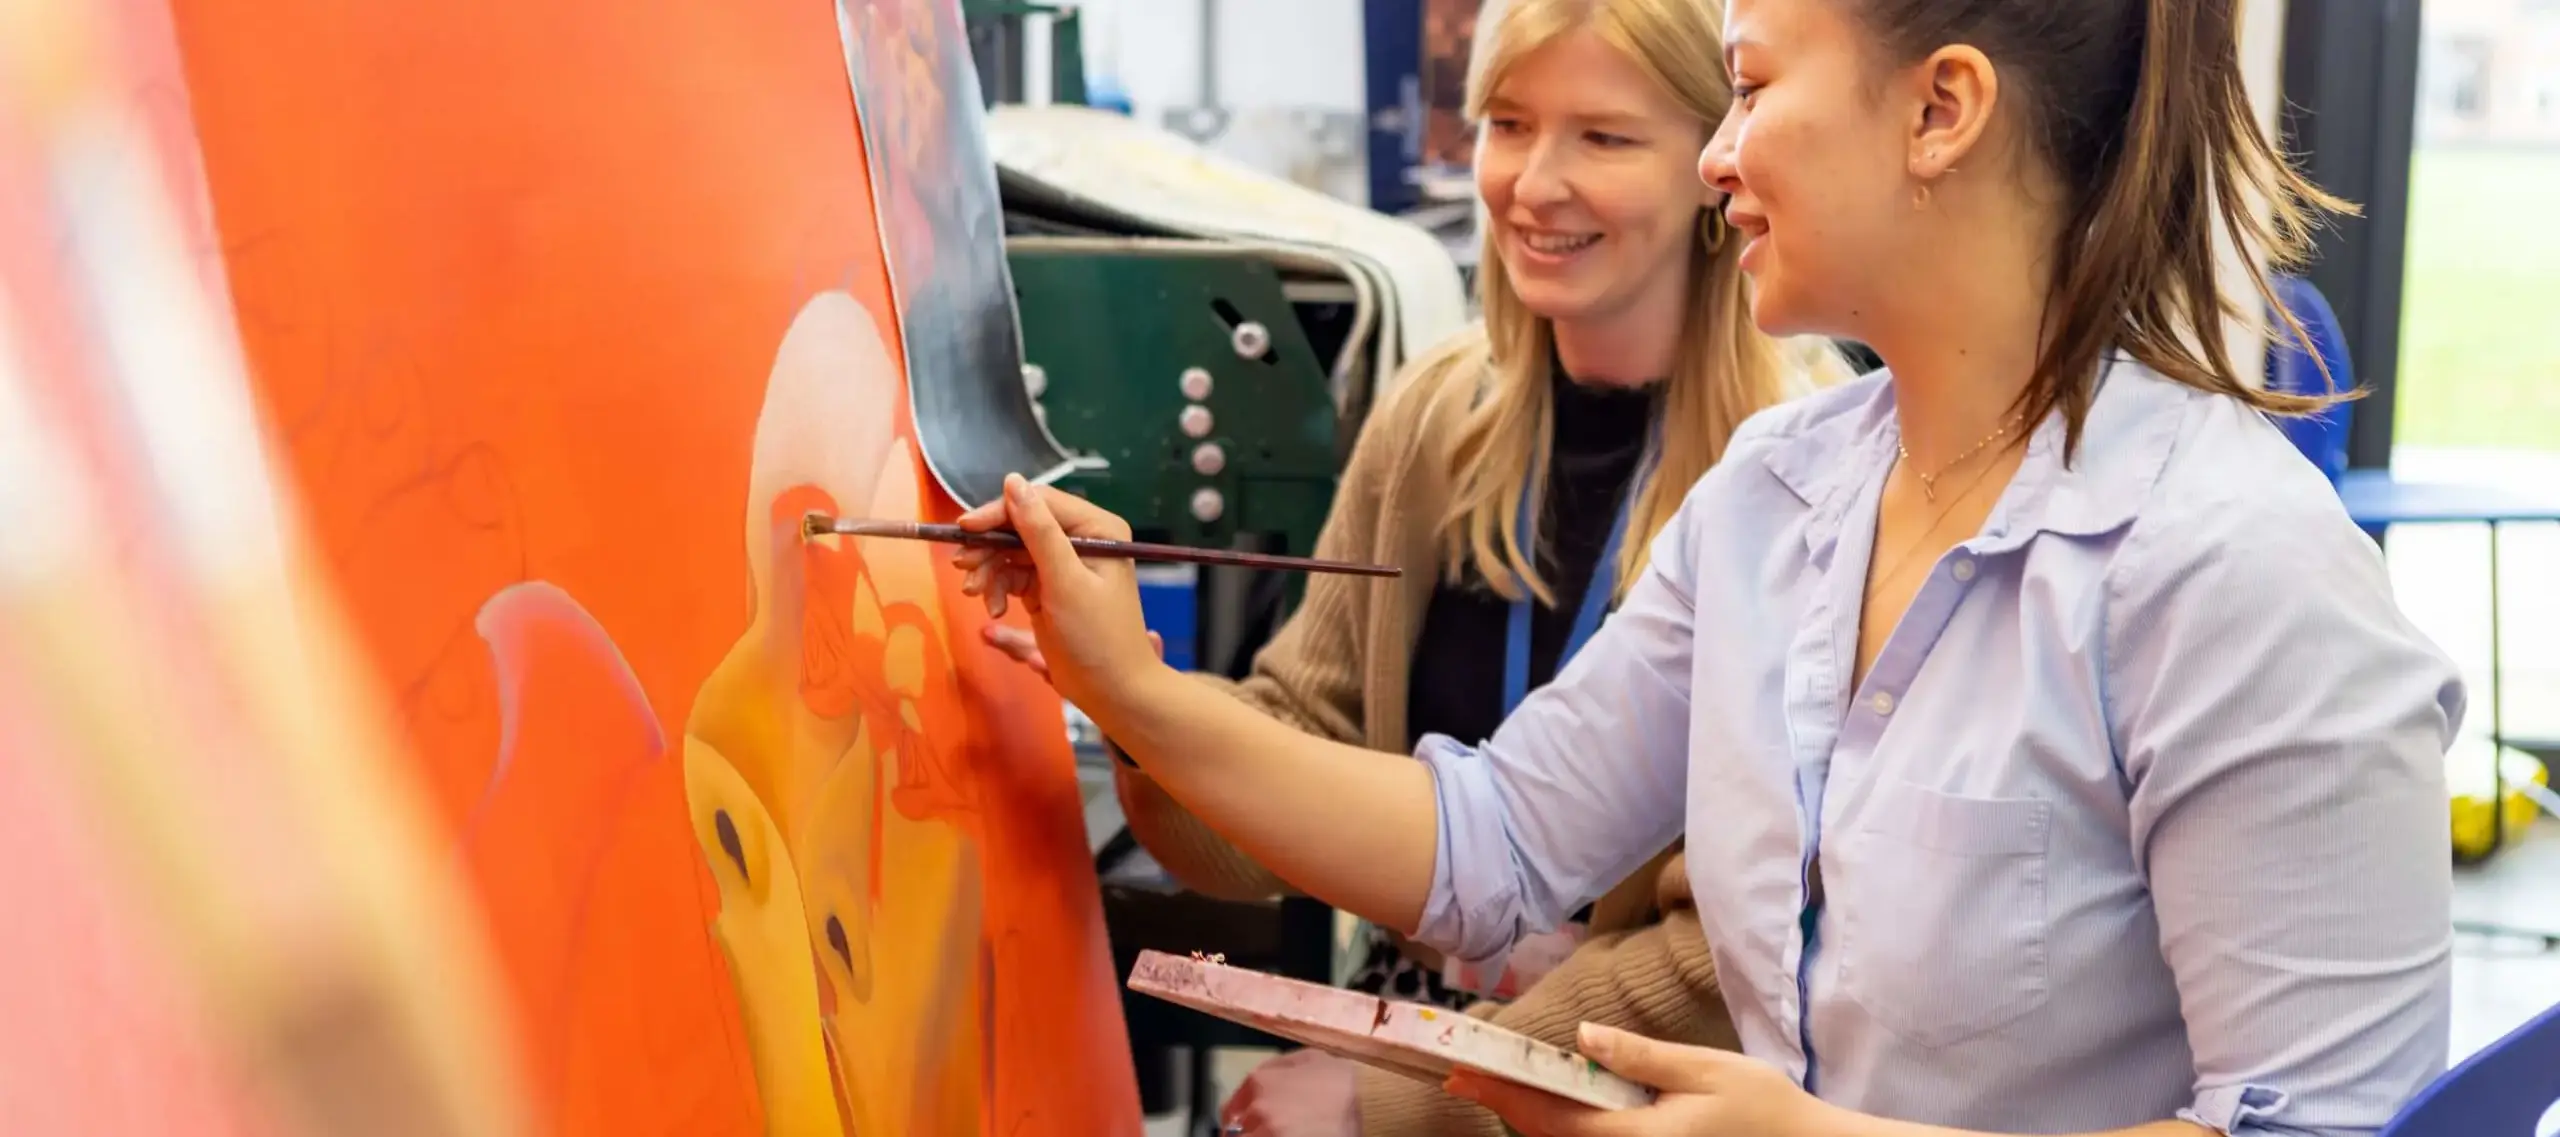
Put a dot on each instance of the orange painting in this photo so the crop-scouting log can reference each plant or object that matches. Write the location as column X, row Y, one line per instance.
column 562, row 316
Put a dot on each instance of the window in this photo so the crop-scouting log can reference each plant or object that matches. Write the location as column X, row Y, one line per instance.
column 2477, row 392
column 2468, row 81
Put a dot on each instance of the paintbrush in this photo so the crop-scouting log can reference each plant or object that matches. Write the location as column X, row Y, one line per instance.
column 819, row 524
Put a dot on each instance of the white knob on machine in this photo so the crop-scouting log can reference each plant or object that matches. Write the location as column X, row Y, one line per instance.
column 1208, row 458
column 1252, row 339
column 1035, row 379
column 1197, row 421
column 1208, row 504
column 1195, row 383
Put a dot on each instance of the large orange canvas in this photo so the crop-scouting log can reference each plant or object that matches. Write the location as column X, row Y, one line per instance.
column 563, row 314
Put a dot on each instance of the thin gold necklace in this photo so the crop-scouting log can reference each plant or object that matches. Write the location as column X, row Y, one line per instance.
column 1929, row 482
column 1894, row 567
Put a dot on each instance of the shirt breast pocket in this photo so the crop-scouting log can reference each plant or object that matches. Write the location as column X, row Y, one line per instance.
column 1942, row 911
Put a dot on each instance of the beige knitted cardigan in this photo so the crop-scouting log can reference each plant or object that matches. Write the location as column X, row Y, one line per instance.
column 1338, row 668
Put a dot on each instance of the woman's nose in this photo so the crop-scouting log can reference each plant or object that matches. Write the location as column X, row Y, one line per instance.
column 1715, row 162
column 1542, row 179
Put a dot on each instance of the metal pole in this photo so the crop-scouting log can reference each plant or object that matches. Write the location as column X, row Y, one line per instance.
column 2497, row 709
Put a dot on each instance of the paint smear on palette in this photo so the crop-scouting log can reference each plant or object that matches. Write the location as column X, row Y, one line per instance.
column 1403, row 1038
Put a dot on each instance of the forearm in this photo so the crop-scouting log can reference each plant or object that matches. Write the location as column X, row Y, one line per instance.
column 1352, row 827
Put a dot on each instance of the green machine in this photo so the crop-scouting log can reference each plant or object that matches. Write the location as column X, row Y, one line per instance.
column 1218, row 380
column 1185, row 365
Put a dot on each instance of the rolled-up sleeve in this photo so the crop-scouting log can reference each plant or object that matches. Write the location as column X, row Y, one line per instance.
column 2283, row 728
column 1583, row 782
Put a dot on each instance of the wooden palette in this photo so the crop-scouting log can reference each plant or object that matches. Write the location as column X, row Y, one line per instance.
column 1420, row 1042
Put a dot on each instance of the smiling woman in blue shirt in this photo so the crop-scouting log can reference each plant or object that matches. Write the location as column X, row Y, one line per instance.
column 2052, row 755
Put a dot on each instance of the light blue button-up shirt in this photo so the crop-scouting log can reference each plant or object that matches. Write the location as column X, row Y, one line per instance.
column 2139, row 814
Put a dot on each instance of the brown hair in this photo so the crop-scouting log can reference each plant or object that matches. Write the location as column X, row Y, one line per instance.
column 2140, row 108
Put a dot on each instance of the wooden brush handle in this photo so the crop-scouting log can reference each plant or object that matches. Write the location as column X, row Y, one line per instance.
column 1109, row 550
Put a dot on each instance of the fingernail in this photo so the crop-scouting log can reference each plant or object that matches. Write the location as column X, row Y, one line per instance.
column 1017, row 488
column 1595, row 1040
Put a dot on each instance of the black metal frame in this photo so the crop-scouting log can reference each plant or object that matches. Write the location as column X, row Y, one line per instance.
column 2350, row 114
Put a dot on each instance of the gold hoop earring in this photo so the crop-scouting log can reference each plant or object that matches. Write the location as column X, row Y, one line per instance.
column 1711, row 229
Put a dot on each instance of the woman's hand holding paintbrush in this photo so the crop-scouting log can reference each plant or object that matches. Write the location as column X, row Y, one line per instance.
column 1275, row 792
column 1085, row 614
column 1000, row 567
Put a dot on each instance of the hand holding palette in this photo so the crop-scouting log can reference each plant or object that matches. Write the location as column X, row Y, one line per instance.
column 1417, row 1041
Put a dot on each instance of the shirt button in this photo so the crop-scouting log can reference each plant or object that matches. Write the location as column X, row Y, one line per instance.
column 1963, row 571
column 1883, row 702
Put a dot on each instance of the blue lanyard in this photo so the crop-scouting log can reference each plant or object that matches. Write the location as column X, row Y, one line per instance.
column 1595, row 601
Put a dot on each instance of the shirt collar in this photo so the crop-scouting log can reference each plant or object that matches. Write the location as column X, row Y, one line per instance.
column 2124, row 444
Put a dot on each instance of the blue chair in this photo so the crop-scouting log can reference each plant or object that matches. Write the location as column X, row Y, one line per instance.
column 2505, row 1090
column 2321, row 437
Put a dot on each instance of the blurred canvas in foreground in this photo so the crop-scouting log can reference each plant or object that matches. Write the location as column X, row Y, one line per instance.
column 560, row 320
column 95, row 997
column 245, row 925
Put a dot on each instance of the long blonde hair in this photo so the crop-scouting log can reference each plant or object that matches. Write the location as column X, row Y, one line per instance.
column 1724, row 370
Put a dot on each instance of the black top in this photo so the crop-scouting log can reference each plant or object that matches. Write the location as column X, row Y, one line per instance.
column 1456, row 684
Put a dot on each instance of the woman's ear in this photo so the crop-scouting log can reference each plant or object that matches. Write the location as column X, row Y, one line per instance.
column 1958, row 90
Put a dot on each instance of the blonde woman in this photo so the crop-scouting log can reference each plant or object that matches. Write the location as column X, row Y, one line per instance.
column 1520, row 473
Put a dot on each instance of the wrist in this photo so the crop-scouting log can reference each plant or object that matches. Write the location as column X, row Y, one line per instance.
column 1137, row 704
